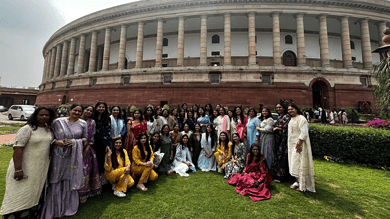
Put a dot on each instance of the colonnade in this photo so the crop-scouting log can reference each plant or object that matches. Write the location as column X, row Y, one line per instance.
column 58, row 63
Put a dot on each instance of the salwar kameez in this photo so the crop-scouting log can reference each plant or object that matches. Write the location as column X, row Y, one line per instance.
column 182, row 154
column 66, row 170
column 300, row 164
column 251, row 131
column 267, row 140
column 239, row 155
column 166, row 148
column 145, row 173
column 244, row 184
column 117, row 176
column 102, row 140
column 196, row 148
column 223, row 156
column 205, row 163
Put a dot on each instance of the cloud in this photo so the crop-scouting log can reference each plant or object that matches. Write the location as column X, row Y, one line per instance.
column 25, row 26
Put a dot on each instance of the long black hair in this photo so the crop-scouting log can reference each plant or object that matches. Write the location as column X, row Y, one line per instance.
column 268, row 116
column 211, row 108
column 144, row 147
column 204, row 112
column 241, row 116
column 105, row 118
column 212, row 136
column 33, row 120
column 182, row 143
column 296, row 107
column 120, row 111
column 93, row 110
column 234, row 143
column 250, row 109
column 124, row 117
column 165, row 125
column 226, row 142
column 251, row 155
column 114, row 159
column 149, row 118
column 158, row 143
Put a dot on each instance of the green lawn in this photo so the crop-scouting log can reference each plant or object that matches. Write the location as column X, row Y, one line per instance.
column 10, row 129
column 343, row 191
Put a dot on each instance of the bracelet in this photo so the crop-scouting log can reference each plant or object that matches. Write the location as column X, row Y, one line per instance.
column 18, row 171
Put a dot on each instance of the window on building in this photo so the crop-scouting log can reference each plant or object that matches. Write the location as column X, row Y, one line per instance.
column 266, row 79
column 215, row 53
column 25, row 102
column 69, row 84
column 167, row 79
column 53, row 85
column 164, row 55
column 164, row 65
column 165, row 42
column 352, row 45
column 288, row 39
column 215, row 78
column 215, row 39
column 255, row 38
column 363, row 80
column 353, row 58
column 93, row 81
column 126, row 80
column 215, row 64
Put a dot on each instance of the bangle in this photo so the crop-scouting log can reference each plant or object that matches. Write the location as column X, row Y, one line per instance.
column 18, row 171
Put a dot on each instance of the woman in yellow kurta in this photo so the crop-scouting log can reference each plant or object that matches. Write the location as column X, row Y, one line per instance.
column 143, row 162
column 224, row 153
column 117, row 168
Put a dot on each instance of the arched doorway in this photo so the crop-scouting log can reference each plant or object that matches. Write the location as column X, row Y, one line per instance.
column 289, row 58
column 320, row 94
column 63, row 99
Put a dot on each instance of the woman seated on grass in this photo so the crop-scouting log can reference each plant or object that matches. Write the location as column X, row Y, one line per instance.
column 239, row 153
column 255, row 179
column 117, row 167
column 224, row 151
column 143, row 162
column 182, row 162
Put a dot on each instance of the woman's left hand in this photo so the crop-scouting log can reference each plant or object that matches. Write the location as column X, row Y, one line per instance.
column 298, row 148
column 18, row 175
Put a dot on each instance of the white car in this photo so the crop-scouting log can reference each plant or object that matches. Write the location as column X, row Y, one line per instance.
column 22, row 112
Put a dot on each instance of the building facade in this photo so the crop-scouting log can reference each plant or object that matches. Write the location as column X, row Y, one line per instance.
column 17, row 96
column 247, row 52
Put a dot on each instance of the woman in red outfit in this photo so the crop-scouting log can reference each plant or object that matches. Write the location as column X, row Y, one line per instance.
column 255, row 179
column 134, row 128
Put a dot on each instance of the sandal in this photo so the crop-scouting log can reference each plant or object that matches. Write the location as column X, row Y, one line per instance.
column 83, row 200
column 294, row 186
column 142, row 188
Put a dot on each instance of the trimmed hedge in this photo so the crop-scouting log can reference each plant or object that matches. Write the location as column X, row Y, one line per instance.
column 365, row 146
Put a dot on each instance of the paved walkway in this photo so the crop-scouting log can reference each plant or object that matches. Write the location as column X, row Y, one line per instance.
column 7, row 138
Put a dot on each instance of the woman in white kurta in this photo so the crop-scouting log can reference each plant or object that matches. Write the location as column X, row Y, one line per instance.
column 182, row 161
column 222, row 122
column 27, row 171
column 299, row 151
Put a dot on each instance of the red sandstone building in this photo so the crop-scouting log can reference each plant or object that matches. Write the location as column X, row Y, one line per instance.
column 17, row 96
column 227, row 52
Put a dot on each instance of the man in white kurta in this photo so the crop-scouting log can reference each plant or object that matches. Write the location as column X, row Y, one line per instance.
column 300, row 164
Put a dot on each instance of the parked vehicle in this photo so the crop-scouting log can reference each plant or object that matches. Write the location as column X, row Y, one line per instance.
column 3, row 109
column 22, row 112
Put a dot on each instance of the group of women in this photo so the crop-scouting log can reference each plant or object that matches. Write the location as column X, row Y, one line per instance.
column 93, row 147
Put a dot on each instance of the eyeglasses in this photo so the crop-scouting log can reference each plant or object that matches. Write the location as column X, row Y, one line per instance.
column 255, row 149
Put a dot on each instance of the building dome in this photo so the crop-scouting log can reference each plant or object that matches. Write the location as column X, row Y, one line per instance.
column 247, row 52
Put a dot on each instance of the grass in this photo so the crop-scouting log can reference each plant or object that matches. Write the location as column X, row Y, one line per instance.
column 343, row 191
column 10, row 129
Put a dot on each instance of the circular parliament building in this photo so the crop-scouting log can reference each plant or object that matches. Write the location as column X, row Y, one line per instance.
column 229, row 52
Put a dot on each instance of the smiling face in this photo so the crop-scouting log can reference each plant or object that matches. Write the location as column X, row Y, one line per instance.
column 182, row 112
column 208, row 129
column 165, row 113
column 137, row 114
column 264, row 112
column 176, row 128
column 165, row 130
column 190, row 114
column 215, row 113
column 223, row 136
column 255, row 150
column 252, row 113
column 292, row 111
column 143, row 139
column 88, row 112
column 230, row 113
column 201, row 111
column 115, row 111
column 149, row 112
column 118, row 144
column 101, row 108
column 197, row 127
column 236, row 138
column 43, row 116
column 279, row 109
column 185, row 139
column 76, row 112
column 159, row 111
column 238, row 111
column 155, row 138
column 186, row 127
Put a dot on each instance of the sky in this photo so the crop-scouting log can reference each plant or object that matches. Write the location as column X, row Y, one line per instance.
column 25, row 27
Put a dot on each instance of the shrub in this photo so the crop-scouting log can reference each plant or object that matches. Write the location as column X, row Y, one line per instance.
column 378, row 124
column 366, row 146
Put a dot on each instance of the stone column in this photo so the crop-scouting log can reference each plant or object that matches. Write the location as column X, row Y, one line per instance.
column 227, row 57
column 52, row 61
column 252, row 39
column 100, row 58
column 301, row 59
column 106, row 53
column 180, row 42
column 346, row 43
column 44, row 68
column 324, row 44
column 366, row 43
column 58, row 61
column 122, row 47
column 381, row 27
column 71, row 56
column 203, row 40
column 276, row 38
column 64, row 57
column 159, row 43
column 140, row 45
column 80, row 61
column 92, row 54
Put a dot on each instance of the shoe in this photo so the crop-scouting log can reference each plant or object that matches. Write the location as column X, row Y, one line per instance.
column 119, row 194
